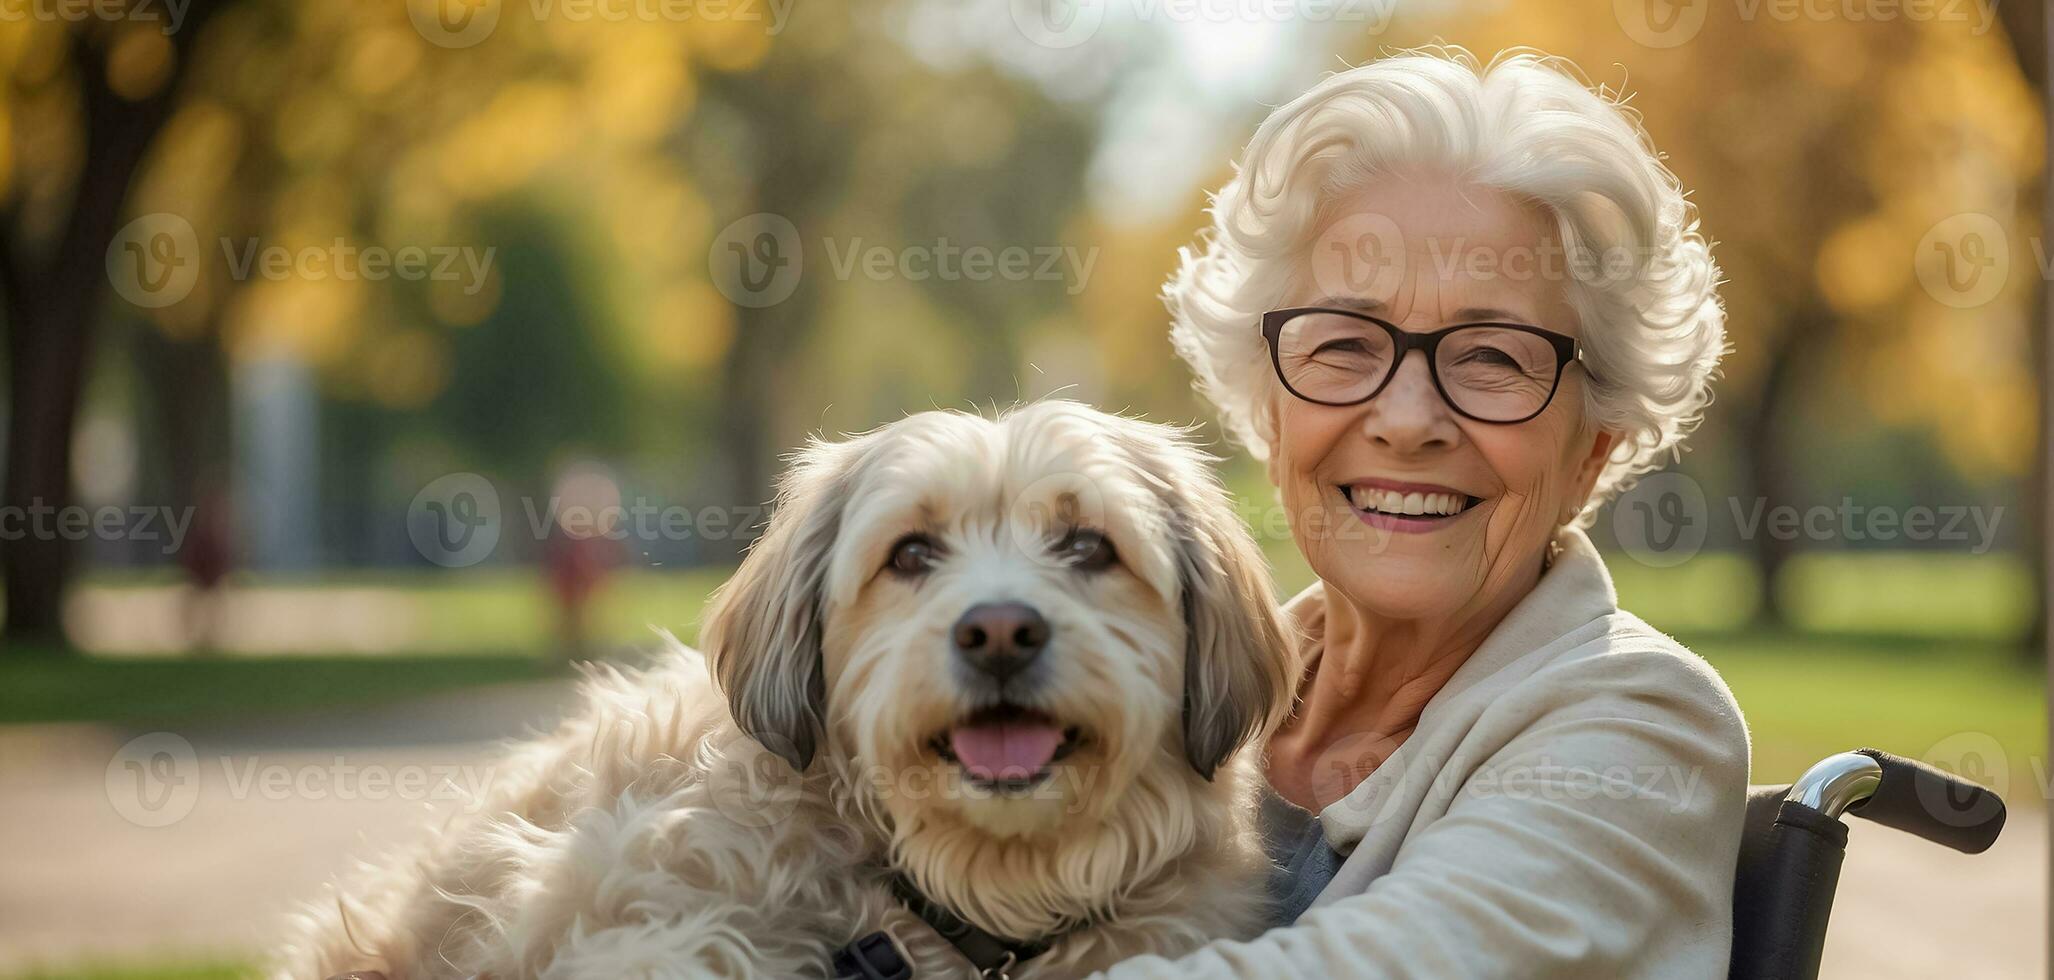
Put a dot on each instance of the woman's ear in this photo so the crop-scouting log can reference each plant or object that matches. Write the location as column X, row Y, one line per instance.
column 1589, row 466
column 762, row 629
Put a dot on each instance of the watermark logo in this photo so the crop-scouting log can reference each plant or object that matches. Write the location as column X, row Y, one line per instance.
column 1964, row 260
column 756, row 261
column 1360, row 255
column 1973, row 756
column 1661, row 23
column 454, row 23
column 454, row 521
column 750, row 784
column 154, row 780
column 1057, row 23
column 1348, row 762
column 154, row 261
column 1662, row 521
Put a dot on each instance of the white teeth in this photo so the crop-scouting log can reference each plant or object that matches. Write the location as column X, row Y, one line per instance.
column 1393, row 502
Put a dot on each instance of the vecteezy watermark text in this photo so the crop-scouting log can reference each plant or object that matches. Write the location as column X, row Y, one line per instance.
column 1846, row 520
column 40, row 521
column 155, row 780
column 946, row 260
column 1670, row 23
column 757, row 261
column 1664, row 519
column 169, row 13
column 457, row 520
column 1068, row 23
column 342, row 260
column 463, row 23
column 155, row 261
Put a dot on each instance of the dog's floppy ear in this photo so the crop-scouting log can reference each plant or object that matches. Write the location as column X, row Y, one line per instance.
column 1239, row 665
column 762, row 629
column 1238, row 673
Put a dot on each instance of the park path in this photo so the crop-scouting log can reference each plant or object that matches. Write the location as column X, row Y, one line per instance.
column 270, row 811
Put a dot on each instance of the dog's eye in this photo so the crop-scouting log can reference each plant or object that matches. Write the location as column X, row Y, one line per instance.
column 1087, row 549
column 913, row 555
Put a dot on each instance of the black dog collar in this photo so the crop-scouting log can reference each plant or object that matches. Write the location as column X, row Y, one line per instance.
column 873, row 957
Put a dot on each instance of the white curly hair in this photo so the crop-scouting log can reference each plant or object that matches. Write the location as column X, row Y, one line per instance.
column 1525, row 124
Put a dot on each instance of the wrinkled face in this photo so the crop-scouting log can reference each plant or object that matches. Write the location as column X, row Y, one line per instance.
column 1003, row 644
column 1408, row 507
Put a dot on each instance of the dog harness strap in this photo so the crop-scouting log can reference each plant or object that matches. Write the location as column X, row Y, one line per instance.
column 871, row 957
column 991, row 955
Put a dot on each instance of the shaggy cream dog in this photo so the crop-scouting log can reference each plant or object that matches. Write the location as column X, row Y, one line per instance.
column 999, row 668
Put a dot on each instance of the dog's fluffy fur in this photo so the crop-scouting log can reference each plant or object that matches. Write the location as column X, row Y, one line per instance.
column 736, row 815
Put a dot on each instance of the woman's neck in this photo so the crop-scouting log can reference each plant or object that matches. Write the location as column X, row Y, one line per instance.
column 1375, row 674
column 1370, row 678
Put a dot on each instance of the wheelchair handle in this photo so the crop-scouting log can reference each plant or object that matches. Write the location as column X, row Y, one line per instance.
column 1909, row 795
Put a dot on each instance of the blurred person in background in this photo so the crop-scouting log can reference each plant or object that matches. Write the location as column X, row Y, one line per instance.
column 207, row 556
column 583, row 547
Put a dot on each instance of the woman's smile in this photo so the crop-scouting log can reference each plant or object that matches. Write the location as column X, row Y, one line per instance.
column 1405, row 507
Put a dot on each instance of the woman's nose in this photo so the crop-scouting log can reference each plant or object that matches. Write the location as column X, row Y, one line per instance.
column 1409, row 415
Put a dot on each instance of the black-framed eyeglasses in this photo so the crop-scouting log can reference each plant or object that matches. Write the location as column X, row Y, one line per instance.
column 1491, row 372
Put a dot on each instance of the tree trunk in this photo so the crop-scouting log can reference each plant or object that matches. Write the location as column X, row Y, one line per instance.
column 799, row 174
column 51, row 307
column 2025, row 24
column 1765, row 436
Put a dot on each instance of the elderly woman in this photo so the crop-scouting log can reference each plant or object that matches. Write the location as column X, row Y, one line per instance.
column 1455, row 307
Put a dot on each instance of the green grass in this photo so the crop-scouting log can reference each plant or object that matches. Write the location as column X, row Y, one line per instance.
column 1915, row 653
column 55, row 689
column 1965, row 705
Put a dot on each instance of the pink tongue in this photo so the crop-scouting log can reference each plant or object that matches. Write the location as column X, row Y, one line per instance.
column 1007, row 750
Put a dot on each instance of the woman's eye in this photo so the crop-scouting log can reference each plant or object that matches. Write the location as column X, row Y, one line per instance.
column 1088, row 550
column 913, row 555
column 1492, row 357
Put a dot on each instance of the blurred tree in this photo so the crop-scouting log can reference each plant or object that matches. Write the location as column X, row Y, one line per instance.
column 861, row 147
column 105, row 89
column 2026, row 28
column 575, row 157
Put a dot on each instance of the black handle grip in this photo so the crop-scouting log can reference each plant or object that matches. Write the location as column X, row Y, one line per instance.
column 1932, row 803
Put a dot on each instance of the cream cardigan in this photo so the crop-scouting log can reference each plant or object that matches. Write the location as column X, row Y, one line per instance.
column 1570, row 805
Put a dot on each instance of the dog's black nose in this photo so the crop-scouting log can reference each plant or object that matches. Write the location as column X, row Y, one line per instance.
column 1000, row 638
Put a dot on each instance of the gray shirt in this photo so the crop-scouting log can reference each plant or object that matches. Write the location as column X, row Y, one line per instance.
column 1301, row 860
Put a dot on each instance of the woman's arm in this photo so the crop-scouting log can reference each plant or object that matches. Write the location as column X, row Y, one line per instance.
column 1600, row 840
